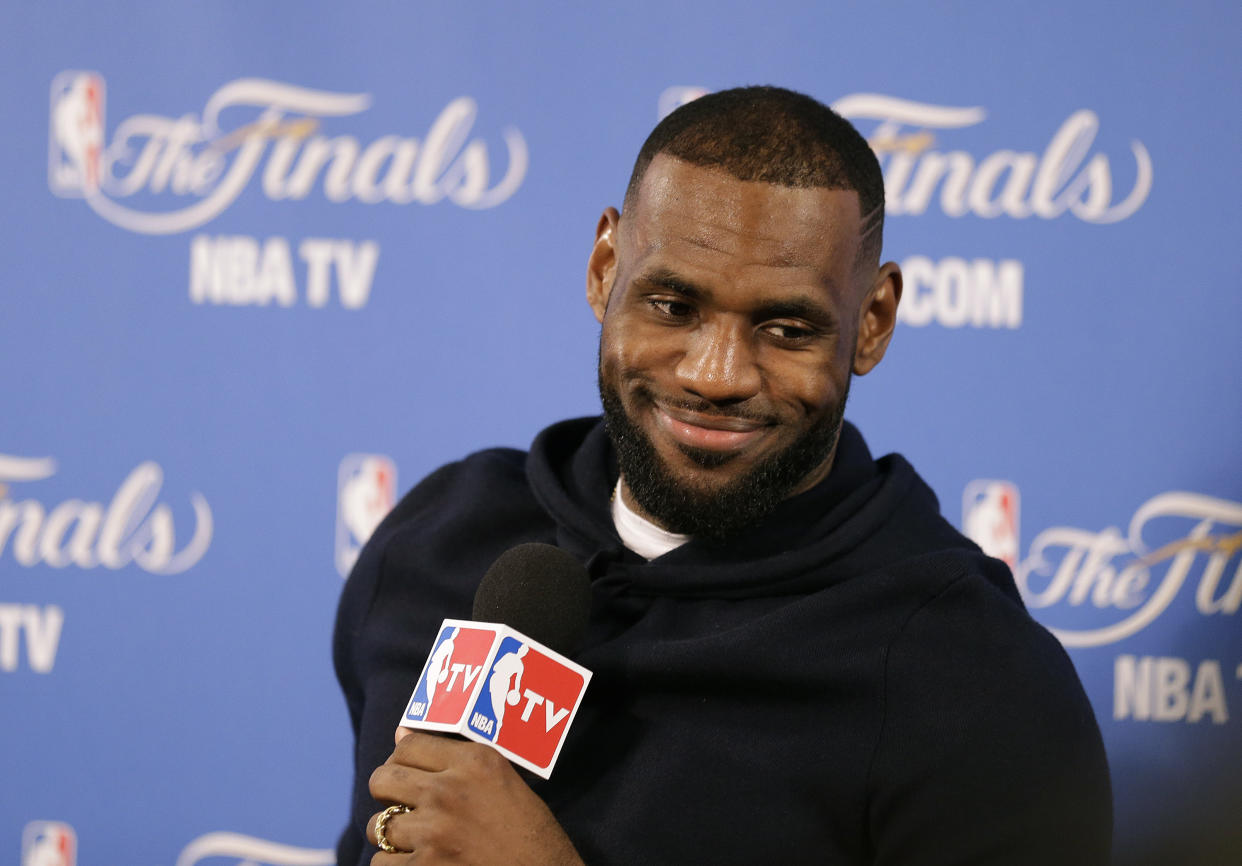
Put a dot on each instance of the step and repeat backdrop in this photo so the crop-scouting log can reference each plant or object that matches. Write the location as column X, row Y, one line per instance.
column 267, row 265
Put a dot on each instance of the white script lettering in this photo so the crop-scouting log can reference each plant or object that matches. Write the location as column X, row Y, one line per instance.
column 191, row 156
column 133, row 527
column 1070, row 566
column 1065, row 178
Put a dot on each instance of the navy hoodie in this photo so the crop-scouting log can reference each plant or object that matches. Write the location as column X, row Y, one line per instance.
column 849, row 681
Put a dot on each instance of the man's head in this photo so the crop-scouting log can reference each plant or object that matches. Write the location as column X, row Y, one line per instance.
column 737, row 294
column 777, row 136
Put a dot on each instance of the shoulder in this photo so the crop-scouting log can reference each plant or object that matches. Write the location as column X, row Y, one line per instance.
column 968, row 642
column 459, row 483
column 467, row 490
column 969, row 624
column 988, row 736
column 452, row 503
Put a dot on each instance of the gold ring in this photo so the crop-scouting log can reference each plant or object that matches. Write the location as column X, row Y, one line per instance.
column 380, row 839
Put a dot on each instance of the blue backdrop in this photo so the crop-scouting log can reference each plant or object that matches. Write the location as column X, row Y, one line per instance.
column 269, row 265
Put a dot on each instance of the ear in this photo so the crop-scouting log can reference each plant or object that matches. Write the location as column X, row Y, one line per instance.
column 877, row 318
column 602, row 263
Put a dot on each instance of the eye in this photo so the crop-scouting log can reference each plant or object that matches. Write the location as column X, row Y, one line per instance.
column 671, row 309
column 789, row 332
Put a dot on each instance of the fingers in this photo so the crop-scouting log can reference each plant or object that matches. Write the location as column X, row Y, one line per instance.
column 435, row 753
column 394, row 783
column 467, row 804
column 398, row 833
column 462, row 796
column 426, row 751
column 398, row 859
column 417, row 773
column 417, row 836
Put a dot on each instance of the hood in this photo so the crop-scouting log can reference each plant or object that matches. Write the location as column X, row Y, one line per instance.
column 844, row 526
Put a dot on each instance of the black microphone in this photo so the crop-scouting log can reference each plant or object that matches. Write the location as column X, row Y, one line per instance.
column 539, row 590
column 503, row 678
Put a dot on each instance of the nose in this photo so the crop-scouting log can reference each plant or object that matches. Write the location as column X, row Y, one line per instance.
column 719, row 364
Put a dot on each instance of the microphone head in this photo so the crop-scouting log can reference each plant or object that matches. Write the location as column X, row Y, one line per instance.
column 541, row 591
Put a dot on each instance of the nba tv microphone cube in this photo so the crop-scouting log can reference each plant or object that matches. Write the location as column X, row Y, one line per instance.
column 494, row 685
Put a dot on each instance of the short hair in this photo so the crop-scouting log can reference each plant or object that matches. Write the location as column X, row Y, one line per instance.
column 773, row 135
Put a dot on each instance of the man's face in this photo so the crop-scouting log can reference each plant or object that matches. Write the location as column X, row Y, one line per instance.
column 730, row 315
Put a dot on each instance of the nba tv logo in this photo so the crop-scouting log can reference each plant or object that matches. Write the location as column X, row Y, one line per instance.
column 493, row 685
column 451, row 676
column 366, row 491
column 990, row 518
column 525, row 707
column 76, row 134
column 49, row 843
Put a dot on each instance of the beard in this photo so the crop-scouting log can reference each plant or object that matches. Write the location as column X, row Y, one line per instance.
column 713, row 512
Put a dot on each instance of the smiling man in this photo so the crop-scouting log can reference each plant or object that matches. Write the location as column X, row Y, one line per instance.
column 795, row 658
column 734, row 312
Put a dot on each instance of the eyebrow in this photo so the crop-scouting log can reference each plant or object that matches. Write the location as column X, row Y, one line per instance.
column 797, row 308
column 674, row 282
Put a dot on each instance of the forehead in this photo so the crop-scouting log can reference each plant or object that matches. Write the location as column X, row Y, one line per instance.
column 687, row 214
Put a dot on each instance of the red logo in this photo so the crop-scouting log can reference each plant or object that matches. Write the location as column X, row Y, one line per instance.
column 496, row 686
column 451, row 676
column 539, row 708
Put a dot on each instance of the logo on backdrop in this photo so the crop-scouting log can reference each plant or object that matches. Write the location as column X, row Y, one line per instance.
column 990, row 518
column 134, row 527
column 250, row 851
column 49, row 843
column 366, row 490
column 1066, row 178
column 676, row 96
column 1177, row 542
column 184, row 171
column 75, row 140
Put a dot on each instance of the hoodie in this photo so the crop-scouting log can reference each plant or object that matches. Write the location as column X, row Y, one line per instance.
column 848, row 681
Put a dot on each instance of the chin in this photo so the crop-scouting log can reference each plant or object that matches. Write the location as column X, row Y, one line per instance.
column 706, row 493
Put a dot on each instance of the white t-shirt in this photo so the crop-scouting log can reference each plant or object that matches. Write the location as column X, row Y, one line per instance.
column 638, row 533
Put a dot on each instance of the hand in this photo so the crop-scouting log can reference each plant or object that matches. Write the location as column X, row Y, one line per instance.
column 468, row 806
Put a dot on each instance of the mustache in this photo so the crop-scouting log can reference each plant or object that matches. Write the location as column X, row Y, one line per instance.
column 707, row 407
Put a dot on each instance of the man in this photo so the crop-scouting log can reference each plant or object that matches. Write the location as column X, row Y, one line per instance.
column 796, row 659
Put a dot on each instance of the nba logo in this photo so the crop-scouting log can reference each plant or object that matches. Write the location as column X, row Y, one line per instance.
column 990, row 518
column 528, row 703
column 366, row 491
column 451, row 677
column 49, row 843
column 676, row 96
column 494, row 685
column 75, row 138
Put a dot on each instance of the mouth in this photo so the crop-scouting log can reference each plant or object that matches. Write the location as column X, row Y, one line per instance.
column 708, row 431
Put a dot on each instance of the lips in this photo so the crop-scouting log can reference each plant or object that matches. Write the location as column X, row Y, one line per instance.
column 708, row 431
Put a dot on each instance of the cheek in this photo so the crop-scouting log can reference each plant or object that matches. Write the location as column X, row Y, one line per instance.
column 618, row 366
column 811, row 389
column 630, row 351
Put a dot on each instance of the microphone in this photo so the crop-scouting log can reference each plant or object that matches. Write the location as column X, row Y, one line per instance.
column 502, row 680
column 541, row 591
